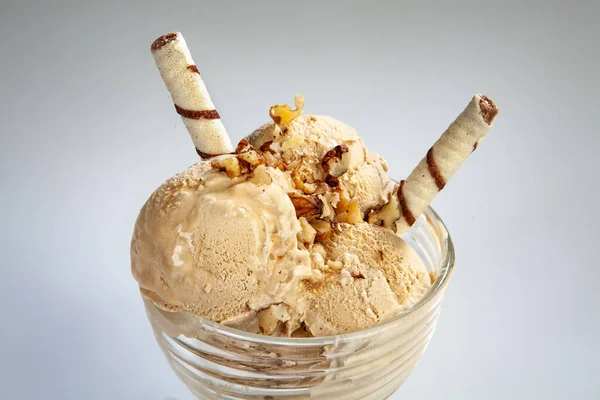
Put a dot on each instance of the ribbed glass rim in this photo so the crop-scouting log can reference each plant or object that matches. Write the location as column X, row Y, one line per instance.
column 441, row 281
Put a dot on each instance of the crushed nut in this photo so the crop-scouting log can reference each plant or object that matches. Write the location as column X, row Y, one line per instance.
column 307, row 206
column 328, row 211
column 283, row 115
column 307, row 234
column 309, row 188
column 252, row 157
column 333, row 198
column 301, row 176
column 388, row 214
column 341, row 217
column 354, row 215
column 248, row 157
column 261, row 176
column 322, row 188
column 243, row 146
column 323, row 230
column 230, row 165
column 270, row 318
column 343, row 202
column 298, row 179
column 336, row 160
column 332, row 181
column 271, row 161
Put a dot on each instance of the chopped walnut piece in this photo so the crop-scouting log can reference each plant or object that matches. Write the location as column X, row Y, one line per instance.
column 302, row 177
column 261, row 176
column 309, row 188
column 328, row 211
column 307, row 234
column 248, row 157
column 243, row 146
column 323, row 229
column 388, row 214
column 336, row 160
column 252, row 157
column 322, row 188
column 271, row 161
column 283, row 115
column 297, row 178
column 341, row 217
column 343, row 202
column 332, row 181
column 269, row 319
column 230, row 165
column 333, row 198
column 354, row 215
column 307, row 206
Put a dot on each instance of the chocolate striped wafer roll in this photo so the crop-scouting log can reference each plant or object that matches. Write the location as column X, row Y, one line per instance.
column 410, row 198
column 189, row 93
column 443, row 159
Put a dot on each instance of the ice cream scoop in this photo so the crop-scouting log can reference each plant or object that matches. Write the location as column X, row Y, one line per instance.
column 236, row 240
column 219, row 247
column 295, row 231
column 372, row 275
column 323, row 149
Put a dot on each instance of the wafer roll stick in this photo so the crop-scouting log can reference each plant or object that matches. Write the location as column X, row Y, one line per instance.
column 189, row 93
column 410, row 198
column 443, row 159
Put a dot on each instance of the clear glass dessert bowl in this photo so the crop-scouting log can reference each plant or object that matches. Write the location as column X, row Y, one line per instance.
column 218, row 362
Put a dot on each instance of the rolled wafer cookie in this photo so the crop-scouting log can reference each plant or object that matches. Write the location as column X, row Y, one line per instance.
column 189, row 93
column 411, row 197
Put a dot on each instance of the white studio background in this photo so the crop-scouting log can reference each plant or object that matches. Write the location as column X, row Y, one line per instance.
column 88, row 131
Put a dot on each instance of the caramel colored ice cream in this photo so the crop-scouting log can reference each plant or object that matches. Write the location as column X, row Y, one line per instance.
column 296, row 231
column 305, row 142
column 272, row 239
column 372, row 276
column 218, row 247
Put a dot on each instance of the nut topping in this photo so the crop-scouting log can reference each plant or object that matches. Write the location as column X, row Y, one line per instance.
column 283, row 115
column 230, row 165
column 388, row 214
column 323, row 229
column 307, row 206
column 243, row 146
column 307, row 234
column 354, row 215
column 336, row 160
column 332, row 181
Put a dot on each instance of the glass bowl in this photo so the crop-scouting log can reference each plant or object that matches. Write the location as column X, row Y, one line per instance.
column 218, row 362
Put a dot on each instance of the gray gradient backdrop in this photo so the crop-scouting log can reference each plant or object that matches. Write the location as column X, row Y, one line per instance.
column 88, row 131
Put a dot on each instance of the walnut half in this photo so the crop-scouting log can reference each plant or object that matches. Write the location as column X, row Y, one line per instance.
column 307, row 206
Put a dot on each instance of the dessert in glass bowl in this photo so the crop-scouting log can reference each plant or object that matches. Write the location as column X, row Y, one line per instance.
column 292, row 265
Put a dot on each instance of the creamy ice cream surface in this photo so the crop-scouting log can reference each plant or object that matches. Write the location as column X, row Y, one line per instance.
column 273, row 238
column 218, row 247
column 296, row 231
column 372, row 276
